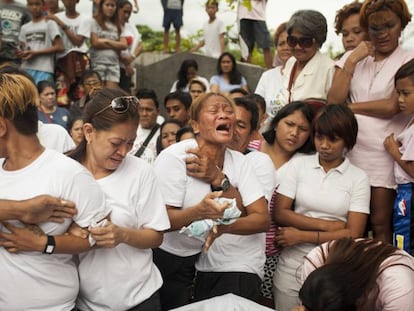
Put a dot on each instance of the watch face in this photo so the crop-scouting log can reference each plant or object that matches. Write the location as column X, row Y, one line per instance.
column 225, row 184
column 49, row 249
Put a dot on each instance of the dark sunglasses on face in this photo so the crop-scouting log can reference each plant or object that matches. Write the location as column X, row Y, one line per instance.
column 120, row 104
column 304, row 42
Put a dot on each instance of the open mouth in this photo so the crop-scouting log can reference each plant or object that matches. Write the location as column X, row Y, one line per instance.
column 223, row 128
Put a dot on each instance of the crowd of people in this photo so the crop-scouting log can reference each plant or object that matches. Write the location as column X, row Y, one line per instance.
column 296, row 194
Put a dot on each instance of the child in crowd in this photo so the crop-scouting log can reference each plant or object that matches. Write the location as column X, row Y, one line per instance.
column 401, row 148
column 173, row 14
column 39, row 40
column 214, row 30
column 72, row 62
column 107, row 41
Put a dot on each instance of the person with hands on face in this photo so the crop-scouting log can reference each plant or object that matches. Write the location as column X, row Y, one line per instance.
column 201, row 170
column 331, row 199
column 364, row 79
column 138, row 217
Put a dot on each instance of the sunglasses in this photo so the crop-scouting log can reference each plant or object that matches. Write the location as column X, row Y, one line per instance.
column 120, row 104
column 304, row 42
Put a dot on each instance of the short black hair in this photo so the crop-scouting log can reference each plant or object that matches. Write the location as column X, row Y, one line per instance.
column 183, row 97
column 148, row 94
column 405, row 71
column 251, row 107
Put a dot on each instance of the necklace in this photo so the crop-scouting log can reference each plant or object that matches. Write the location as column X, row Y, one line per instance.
column 378, row 66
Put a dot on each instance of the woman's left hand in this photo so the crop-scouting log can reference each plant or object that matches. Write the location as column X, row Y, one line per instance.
column 109, row 236
column 287, row 236
column 20, row 239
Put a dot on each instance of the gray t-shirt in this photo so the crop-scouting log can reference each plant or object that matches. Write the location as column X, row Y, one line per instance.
column 104, row 56
column 12, row 16
column 39, row 36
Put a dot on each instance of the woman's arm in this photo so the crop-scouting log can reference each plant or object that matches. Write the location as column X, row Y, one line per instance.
column 111, row 235
column 257, row 220
column 384, row 108
column 284, row 216
column 339, row 90
column 355, row 227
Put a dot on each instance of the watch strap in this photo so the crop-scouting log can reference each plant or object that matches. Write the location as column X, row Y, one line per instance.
column 50, row 245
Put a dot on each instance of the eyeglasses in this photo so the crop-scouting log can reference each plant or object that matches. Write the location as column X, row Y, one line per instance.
column 120, row 104
column 304, row 42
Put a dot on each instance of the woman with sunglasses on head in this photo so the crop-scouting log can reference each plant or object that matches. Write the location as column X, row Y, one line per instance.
column 321, row 197
column 120, row 274
column 364, row 78
column 309, row 73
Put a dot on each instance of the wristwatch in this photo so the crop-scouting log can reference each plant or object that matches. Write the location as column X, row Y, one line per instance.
column 50, row 245
column 224, row 185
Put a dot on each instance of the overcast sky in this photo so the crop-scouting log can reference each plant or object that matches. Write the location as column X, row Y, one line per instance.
column 277, row 12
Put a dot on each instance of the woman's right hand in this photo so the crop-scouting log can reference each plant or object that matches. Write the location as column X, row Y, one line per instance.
column 363, row 49
column 208, row 208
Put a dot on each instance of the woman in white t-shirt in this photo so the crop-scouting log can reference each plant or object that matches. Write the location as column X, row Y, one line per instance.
column 120, row 274
column 29, row 264
column 321, row 197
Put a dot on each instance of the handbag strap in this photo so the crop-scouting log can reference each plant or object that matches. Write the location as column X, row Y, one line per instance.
column 147, row 140
column 291, row 78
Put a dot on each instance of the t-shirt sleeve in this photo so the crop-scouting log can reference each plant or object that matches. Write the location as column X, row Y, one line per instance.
column 53, row 30
column 243, row 81
column 288, row 184
column 215, row 80
column 151, row 209
column 249, row 186
column 313, row 260
column 360, row 196
column 408, row 154
column 89, row 199
column 172, row 184
column 222, row 27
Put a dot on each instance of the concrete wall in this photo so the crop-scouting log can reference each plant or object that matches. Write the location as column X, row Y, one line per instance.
column 158, row 71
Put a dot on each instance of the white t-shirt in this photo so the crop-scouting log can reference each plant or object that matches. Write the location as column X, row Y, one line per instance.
column 186, row 88
column 133, row 39
column 33, row 280
column 329, row 196
column 122, row 277
column 257, row 11
column 53, row 136
column 75, row 24
column 212, row 32
column 406, row 138
column 269, row 86
column 150, row 152
column 395, row 283
column 242, row 253
column 182, row 191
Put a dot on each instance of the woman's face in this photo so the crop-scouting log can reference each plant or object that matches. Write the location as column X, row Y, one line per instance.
column 124, row 13
column 352, row 33
column 48, row 97
column 301, row 53
column 191, row 73
column 108, row 8
column 168, row 134
column 196, row 90
column 215, row 121
column 107, row 149
column 292, row 132
column 384, row 28
column 331, row 151
column 282, row 48
column 76, row 132
column 226, row 64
